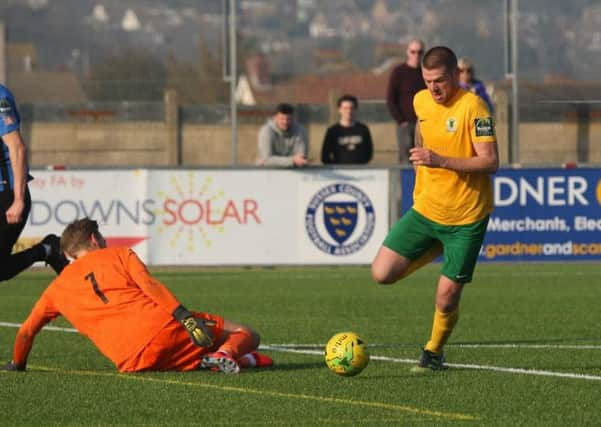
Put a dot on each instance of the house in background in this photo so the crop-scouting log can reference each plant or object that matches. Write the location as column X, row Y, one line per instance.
column 18, row 71
column 313, row 88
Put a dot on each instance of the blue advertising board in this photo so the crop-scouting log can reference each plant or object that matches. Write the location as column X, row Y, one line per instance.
column 540, row 214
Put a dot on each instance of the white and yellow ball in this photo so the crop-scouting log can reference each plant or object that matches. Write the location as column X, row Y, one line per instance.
column 346, row 354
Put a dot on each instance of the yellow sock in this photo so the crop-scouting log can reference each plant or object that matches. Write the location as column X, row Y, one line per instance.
column 426, row 258
column 442, row 328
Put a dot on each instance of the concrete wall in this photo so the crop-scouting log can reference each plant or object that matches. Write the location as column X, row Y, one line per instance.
column 113, row 142
column 98, row 144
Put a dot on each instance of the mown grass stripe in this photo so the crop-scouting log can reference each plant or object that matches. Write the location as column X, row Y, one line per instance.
column 270, row 393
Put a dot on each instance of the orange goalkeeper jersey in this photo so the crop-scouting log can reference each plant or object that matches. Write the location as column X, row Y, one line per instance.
column 109, row 296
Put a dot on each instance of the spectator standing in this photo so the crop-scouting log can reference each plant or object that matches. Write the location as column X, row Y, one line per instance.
column 282, row 141
column 468, row 81
column 404, row 82
column 348, row 141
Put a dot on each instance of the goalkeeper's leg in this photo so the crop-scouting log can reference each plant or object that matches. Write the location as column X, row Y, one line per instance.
column 236, row 341
column 254, row 359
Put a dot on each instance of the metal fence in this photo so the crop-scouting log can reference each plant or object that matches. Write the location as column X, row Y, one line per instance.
column 84, row 62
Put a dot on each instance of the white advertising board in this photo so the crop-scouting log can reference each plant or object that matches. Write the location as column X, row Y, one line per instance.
column 222, row 217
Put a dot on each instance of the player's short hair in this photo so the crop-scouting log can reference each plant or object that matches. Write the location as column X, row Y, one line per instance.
column 347, row 98
column 284, row 108
column 439, row 56
column 76, row 236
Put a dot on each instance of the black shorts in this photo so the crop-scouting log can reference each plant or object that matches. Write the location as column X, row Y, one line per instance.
column 9, row 233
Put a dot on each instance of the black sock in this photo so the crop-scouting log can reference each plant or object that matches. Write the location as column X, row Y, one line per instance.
column 16, row 263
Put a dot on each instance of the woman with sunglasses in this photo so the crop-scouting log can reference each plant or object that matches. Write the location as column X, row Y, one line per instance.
column 468, row 81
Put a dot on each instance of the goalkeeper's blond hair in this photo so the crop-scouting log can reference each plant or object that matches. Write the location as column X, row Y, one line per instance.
column 76, row 236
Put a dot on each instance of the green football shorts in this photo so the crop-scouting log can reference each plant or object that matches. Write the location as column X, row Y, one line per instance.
column 414, row 234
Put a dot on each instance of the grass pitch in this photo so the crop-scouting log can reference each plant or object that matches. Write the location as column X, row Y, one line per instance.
column 526, row 351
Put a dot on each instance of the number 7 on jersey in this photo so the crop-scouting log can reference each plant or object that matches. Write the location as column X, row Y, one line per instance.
column 92, row 278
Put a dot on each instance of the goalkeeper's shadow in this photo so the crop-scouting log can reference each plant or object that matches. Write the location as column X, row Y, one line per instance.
column 288, row 367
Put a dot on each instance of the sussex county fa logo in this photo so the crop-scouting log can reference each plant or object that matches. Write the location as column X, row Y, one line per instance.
column 340, row 219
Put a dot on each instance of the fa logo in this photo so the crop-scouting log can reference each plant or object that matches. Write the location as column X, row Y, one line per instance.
column 340, row 219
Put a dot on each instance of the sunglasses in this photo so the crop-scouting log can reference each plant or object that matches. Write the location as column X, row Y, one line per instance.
column 415, row 52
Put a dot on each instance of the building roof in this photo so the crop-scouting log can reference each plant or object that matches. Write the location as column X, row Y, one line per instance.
column 46, row 87
column 316, row 89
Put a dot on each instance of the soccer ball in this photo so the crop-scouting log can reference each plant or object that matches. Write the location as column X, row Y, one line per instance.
column 346, row 354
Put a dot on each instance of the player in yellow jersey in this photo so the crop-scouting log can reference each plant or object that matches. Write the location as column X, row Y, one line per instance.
column 454, row 154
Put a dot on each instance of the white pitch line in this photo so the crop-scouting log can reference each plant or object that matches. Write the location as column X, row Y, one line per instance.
column 388, row 345
column 531, row 346
column 46, row 328
column 288, row 349
column 492, row 346
column 528, row 372
column 521, row 371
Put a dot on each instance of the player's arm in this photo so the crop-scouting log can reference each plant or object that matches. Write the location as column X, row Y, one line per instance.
column 158, row 292
column 18, row 160
column 486, row 159
column 42, row 313
column 417, row 139
column 418, row 142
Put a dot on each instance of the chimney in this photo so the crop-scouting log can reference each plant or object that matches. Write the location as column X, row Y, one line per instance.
column 27, row 63
column 257, row 69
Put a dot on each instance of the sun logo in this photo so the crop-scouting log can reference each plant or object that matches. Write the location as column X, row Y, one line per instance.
column 195, row 210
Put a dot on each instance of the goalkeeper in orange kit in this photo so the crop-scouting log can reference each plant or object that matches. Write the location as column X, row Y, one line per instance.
column 108, row 295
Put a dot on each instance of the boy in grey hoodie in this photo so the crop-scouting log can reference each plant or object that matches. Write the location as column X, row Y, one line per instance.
column 282, row 141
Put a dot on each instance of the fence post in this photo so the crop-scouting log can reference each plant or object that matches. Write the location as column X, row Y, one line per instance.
column 583, row 133
column 502, row 124
column 333, row 96
column 172, row 126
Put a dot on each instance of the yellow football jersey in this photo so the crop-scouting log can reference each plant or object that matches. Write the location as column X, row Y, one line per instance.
column 442, row 195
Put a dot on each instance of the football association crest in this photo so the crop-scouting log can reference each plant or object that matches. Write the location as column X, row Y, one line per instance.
column 451, row 124
column 340, row 219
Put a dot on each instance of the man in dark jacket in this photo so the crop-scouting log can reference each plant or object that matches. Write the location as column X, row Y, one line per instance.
column 348, row 141
column 405, row 81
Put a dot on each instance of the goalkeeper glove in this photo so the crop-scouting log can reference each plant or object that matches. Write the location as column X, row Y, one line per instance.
column 197, row 329
column 12, row 366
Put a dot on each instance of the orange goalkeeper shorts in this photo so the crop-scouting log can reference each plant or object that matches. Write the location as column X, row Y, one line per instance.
column 172, row 348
